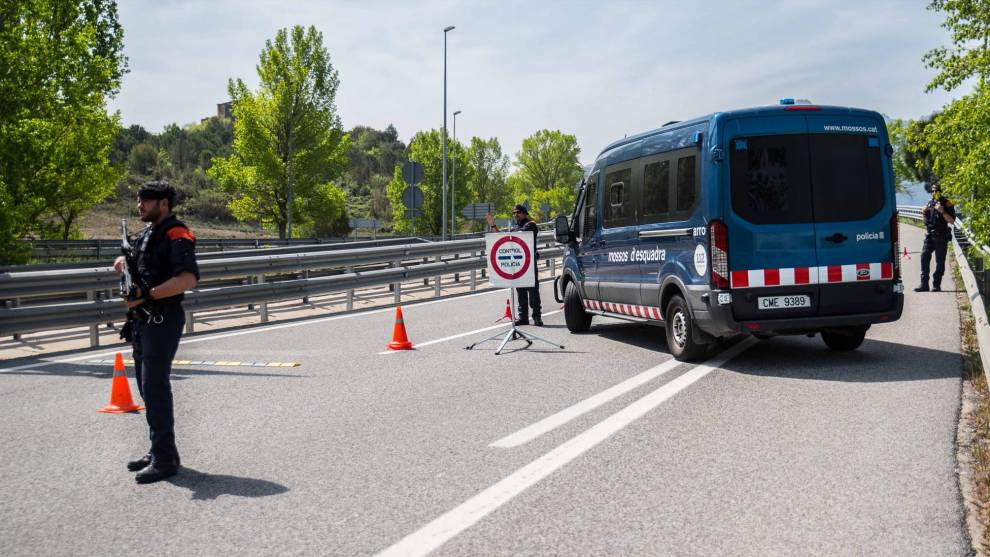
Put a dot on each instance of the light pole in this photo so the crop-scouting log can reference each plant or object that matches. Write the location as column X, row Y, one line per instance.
column 453, row 186
column 443, row 215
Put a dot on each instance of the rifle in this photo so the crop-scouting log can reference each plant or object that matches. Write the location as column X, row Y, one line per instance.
column 128, row 288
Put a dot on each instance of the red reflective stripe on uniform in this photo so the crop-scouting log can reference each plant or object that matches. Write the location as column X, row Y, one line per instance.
column 740, row 279
column 771, row 277
column 801, row 275
column 863, row 267
column 180, row 233
column 886, row 270
column 835, row 273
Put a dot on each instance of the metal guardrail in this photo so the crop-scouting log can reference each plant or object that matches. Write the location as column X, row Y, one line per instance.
column 406, row 262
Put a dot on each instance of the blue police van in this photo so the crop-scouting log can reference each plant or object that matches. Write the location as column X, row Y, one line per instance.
column 768, row 221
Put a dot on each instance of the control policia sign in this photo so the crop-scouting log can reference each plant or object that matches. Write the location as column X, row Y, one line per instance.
column 511, row 259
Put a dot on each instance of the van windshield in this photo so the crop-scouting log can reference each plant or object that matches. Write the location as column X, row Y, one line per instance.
column 791, row 179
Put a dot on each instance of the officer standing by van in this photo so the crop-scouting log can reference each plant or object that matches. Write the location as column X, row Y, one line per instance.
column 939, row 214
column 166, row 267
column 527, row 297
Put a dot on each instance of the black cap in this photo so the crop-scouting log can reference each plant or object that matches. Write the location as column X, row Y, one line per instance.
column 522, row 209
column 158, row 190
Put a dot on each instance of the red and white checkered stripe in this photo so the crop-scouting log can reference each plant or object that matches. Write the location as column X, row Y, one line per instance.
column 828, row 274
column 646, row 312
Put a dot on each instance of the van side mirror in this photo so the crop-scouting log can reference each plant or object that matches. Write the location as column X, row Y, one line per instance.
column 562, row 230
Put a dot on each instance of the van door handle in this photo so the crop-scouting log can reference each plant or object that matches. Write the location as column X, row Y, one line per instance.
column 837, row 238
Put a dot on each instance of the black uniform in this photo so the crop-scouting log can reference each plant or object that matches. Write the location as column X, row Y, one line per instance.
column 529, row 296
column 164, row 251
column 936, row 241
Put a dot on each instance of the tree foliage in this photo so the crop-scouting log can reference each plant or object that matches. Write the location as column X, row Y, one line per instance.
column 968, row 21
column 548, row 172
column 426, row 148
column 288, row 141
column 59, row 62
column 490, row 171
column 912, row 159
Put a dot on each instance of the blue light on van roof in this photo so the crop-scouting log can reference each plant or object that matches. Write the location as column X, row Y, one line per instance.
column 787, row 101
column 697, row 138
column 872, row 142
column 741, row 145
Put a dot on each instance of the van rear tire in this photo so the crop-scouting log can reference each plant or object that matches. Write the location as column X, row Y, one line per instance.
column 578, row 320
column 681, row 335
column 844, row 339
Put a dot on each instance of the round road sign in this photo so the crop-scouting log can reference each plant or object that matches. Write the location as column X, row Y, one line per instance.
column 510, row 257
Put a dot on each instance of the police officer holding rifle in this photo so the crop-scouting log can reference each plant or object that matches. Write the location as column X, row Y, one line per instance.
column 161, row 266
column 939, row 214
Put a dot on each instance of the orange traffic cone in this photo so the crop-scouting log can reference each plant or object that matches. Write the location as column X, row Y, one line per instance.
column 905, row 254
column 508, row 312
column 120, row 391
column 399, row 339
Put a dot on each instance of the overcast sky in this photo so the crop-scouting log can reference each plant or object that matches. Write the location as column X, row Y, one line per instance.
column 598, row 70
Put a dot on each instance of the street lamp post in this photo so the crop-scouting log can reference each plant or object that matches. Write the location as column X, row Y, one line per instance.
column 443, row 212
column 453, row 185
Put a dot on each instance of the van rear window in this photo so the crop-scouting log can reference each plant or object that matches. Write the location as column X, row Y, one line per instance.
column 770, row 179
column 846, row 176
column 791, row 179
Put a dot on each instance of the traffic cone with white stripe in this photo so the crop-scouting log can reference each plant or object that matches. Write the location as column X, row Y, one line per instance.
column 399, row 339
column 508, row 312
column 120, row 391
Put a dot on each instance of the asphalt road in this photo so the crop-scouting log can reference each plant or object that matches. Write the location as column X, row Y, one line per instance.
column 605, row 447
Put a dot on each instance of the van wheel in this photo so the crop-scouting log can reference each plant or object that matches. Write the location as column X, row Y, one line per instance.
column 844, row 339
column 578, row 320
column 680, row 332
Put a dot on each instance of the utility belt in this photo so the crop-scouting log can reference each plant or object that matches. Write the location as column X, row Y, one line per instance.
column 152, row 312
column 938, row 234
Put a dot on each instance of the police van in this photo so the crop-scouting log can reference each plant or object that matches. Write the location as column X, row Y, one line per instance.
column 775, row 220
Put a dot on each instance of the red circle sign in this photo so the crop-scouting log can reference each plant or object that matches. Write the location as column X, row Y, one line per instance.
column 510, row 261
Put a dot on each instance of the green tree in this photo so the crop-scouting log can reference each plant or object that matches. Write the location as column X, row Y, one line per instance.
column 548, row 172
column 489, row 171
column 912, row 160
column 968, row 21
column 426, row 148
column 288, row 141
column 59, row 62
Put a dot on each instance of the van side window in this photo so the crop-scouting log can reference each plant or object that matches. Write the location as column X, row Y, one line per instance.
column 656, row 191
column 687, row 183
column 590, row 212
column 618, row 199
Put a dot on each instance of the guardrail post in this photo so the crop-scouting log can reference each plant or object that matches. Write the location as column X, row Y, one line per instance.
column 474, row 277
column 249, row 280
column 305, row 276
column 94, row 330
column 16, row 303
column 457, row 276
column 436, row 286
column 426, row 281
column 189, row 322
column 263, row 306
column 350, row 293
column 398, row 285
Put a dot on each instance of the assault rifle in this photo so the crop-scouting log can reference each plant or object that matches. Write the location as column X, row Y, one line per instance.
column 128, row 288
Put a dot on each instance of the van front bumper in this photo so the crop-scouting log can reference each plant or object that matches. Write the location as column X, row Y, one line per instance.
column 718, row 321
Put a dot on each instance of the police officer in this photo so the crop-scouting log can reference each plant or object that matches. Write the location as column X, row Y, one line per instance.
column 166, row 267
column 526, row 296
column 939, row 214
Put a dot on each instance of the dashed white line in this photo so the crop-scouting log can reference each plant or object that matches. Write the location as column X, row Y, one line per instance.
column 465, row 515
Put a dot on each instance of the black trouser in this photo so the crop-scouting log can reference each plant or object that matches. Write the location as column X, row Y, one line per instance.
column 529, row 297
column 154, row 345
column 937, row 243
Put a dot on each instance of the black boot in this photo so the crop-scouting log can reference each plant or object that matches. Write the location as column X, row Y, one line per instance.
column 157, row 472
column 922, row 288
column 139, row 464
column 538, row 321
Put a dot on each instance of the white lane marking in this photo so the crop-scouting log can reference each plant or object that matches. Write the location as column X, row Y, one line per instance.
column 125, row 349
column 468, row 513
column 528, row 433
column 452, row 337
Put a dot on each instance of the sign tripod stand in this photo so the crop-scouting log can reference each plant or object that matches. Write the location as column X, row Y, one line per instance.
column 511, row 262
column 514, row 333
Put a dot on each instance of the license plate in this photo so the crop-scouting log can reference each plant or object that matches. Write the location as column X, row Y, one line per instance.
column 783, row 302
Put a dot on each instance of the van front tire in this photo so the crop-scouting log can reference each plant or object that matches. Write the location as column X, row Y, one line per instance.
column 681, row 335
column 578, row 320
column 844, row 339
